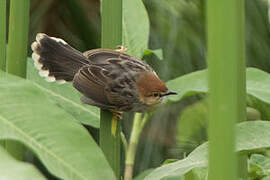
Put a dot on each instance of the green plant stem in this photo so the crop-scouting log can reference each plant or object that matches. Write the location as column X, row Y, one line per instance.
column 109, row 143
column 18, row 37
column 111, row 37
column 124, row 142
column 3, row 42
column 138, row 124
column 17, row 54
column 226, row 61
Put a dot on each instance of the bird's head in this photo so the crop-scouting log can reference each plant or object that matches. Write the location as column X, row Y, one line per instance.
column 151, row 89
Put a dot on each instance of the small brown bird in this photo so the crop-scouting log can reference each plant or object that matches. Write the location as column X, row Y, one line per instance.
column 109, row 79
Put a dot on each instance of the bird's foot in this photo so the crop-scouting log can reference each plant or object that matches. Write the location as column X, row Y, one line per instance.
column 117, row 114
column 121, row 49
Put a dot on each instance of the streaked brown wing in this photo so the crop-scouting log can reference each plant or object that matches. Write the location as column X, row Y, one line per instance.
column 100, row 56
column 103, row 56
column 91, row 83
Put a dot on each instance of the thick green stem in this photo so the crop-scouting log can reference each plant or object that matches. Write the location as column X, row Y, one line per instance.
column 18, row 37
column 111, row 37
column 3, row 42
column 138, row 124
column 124, row 142
column 109, row 143
column 226, row 60
column 17, row 53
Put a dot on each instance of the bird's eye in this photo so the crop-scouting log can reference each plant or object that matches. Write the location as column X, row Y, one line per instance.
column 155, row 94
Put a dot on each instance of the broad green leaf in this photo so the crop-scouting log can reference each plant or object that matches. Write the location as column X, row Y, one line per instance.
column 193, row 122
column 196, row 159
column 168, row 161
column 259, row 105
column 259, row 166
column 62, row 144
column 250, row 136
column 135, row 27
column 188, row 85
column 13, row 169
column 65, row 96
column 258, row 84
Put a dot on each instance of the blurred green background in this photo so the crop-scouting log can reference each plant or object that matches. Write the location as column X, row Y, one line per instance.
column 178, row 28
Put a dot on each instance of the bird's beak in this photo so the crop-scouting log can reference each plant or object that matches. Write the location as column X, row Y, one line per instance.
column 170, row 93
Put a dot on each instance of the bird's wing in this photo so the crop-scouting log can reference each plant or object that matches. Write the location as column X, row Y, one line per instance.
column 100, row 56
column 89, row 80
column 94, row 82
column 104, row 56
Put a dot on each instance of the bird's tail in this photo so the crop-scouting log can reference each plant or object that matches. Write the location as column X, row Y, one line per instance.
column 55, row 59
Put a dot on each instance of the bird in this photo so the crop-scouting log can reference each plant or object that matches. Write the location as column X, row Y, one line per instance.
column 107, row 78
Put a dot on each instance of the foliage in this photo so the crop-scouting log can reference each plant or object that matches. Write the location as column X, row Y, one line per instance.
column 12, row 169
column 40, row 112
column 46, row 117
column 250, row 136
column 64, row 96
column 52, row 112
column 61, row 143
column 259, row 167
column 196, row 82
column 137, row 42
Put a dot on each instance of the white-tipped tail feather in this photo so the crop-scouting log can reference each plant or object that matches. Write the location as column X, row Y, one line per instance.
column 34, row 46
column 40, row 36
column 50, row 79
column 59, row 40
column 51, row 56
column 43, row 73
column 36, row 59
column 62, row 81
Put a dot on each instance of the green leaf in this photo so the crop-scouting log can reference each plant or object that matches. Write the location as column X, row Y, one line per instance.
column 168, row 161
column 11, row 169
column 65, row 96
column 157, row 52
column 188, row 85
column 135, row 27
column 193, row 122
column 259, row 165
column 259, row 105
column 59, row 141
column 250, row 136
column 258, row 84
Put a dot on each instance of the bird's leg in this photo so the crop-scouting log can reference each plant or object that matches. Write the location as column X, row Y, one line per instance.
column 121, row 49
column 117, row 115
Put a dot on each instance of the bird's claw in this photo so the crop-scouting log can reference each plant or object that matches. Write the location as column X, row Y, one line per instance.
column 121, row 49
column 117, row 114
